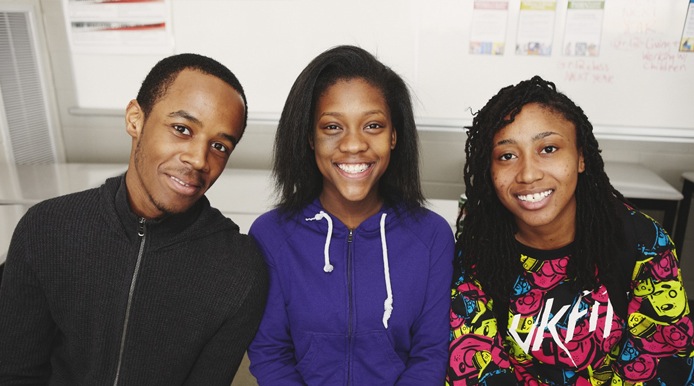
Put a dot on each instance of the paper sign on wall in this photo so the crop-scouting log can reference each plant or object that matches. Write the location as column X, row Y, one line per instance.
column 583, row 27
column 687, row 41
column 119, row 26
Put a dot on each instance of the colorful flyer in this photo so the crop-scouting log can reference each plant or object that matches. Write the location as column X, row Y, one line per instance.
column 536, row 27
column 488, row 30
column 583, row 27
column 119, row 26
column 687, row 41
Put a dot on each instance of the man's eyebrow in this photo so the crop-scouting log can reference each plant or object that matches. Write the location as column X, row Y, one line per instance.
column 185, row 115
column 231, row 138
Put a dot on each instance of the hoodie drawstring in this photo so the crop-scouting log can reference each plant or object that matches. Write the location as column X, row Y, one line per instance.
column 326, row 249
column 388, row 303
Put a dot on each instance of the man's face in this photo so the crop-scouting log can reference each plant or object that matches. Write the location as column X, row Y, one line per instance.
column 182, row 146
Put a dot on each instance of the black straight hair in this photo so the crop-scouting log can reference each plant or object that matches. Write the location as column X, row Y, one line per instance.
column 298, row 179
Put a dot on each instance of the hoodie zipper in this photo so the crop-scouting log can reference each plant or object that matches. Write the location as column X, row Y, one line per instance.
column 141, row 232
column 350, row 238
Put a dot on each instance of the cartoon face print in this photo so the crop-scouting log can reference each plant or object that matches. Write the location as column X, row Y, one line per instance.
column 470, row 356
column 668, row 300
column 661, row 240
column 551, row 273
column 521, row 286
column 640, row 325
column 665, row 267
column 641, row 369
column 528, row 304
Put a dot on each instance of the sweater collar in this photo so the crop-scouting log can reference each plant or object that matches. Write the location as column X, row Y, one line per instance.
column 170, row 225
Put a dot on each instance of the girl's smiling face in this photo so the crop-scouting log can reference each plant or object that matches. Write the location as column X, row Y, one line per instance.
column 535, row 167
column 353, row 139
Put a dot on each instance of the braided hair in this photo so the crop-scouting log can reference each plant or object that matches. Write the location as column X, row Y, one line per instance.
column 486, row 249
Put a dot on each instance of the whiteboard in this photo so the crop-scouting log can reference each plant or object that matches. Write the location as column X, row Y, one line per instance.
column 639, row 85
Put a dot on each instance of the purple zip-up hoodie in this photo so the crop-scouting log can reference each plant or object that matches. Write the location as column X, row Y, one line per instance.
column 368, row 306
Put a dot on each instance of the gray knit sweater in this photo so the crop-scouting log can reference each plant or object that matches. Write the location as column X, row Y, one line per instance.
column 90, row 295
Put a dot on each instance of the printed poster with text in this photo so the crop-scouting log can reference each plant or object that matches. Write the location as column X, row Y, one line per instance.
column 536, row 27
column 488, row 30
column 687, row 41
column 583, row 27
column 119, row 26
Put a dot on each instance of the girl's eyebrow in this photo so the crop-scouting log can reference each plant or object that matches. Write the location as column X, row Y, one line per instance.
column 366, row 113
column 544, row 134
column 536, row 137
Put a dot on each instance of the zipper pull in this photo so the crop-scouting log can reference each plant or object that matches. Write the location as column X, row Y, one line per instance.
column 350, row 236
column 141, row 227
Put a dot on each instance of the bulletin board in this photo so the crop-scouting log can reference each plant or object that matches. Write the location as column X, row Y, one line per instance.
column 640, row 83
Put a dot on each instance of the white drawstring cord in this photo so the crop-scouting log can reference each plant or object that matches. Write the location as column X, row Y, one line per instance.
column 326, row 249
column 388, row 304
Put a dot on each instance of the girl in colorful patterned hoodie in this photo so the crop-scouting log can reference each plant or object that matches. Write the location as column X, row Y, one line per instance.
column 559, row 280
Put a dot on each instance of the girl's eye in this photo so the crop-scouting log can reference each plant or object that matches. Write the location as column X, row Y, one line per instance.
column 220, row 147
column 374, row 126
column 332, row 127
column 182, row 129
column 549, row 149
column 506, row 157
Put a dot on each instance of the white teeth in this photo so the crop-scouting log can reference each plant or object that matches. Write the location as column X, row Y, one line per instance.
column 353, row 168
column 534, row 197
column 179, row 181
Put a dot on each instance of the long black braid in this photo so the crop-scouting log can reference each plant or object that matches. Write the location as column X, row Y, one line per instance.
column 486, row 248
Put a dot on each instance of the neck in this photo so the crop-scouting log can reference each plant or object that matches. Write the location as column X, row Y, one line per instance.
column 352, row 213
column 546, row 238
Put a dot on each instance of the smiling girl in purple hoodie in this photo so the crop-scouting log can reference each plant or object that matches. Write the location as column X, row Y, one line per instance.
column 359, row 269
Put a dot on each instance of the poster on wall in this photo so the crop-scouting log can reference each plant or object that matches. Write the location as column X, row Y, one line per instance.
column 488, row 29
column 583, row 27
column 687, row 41
column 119, row 26
column 536, row 27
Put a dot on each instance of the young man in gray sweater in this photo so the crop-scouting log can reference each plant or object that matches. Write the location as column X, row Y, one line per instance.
column 140, row 281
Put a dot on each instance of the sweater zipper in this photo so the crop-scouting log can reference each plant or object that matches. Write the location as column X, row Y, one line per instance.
column 141, row 232
column 350, row 238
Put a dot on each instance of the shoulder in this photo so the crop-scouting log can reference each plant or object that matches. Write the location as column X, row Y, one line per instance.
column 62, row 208
column 270, row 223
column 425, row 228
column 425, row 222
column 271, row 229
column 642, row 231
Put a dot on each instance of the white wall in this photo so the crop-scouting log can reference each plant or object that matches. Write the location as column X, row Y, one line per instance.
column 101, row 137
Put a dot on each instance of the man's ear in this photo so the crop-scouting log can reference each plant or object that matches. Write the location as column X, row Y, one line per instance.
column 134, row 119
